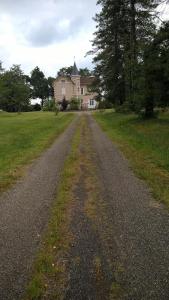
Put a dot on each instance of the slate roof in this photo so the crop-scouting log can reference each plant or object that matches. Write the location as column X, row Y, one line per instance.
column 75, row 71
column 86, row 80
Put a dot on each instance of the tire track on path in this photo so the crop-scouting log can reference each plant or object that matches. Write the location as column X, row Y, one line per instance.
column 119, row 235
column 119, row 247
column 24, row 214
column 134, row 227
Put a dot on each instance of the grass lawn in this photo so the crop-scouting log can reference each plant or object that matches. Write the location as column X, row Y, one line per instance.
column 23, row 137
column 145, row 143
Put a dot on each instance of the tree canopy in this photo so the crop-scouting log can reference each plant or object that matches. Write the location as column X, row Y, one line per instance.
column 67, row 71
column 14, row 90
column 126, row 31
column 40, row 85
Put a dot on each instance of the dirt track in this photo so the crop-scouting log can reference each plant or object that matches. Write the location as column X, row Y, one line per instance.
column 122, row 245
column 24, row 213
column 121, row 240
column 134, row 227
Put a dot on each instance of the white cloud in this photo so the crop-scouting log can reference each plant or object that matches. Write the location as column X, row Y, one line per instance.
column 46, row 33
column 164, row 11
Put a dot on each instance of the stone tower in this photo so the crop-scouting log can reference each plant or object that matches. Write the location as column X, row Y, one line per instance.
column 76, row 79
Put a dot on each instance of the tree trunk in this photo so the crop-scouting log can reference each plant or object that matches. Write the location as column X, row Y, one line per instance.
column 133, row 51
column 19, row 109
column 117, row 8
column 149, row 108
column 133, row 30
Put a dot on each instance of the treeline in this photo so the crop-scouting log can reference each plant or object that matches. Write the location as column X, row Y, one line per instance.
column 67, row 71
column 131, row 55
column 17, row 89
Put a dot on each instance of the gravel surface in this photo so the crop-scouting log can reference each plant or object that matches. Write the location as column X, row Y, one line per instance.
column 133, row 226
column 24, row 213
column 122, row 252
column 89, row 276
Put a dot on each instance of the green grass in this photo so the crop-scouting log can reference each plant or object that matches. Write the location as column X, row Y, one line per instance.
column 23, row 137
column 146, row 144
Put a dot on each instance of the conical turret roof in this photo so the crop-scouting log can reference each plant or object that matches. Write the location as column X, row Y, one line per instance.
column 75, row 71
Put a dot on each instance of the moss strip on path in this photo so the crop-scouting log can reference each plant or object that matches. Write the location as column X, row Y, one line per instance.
column 23, row 137
column 145, row 144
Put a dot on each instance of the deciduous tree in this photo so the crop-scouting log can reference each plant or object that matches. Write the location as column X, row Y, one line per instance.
column 39, row 84
column 14, row 90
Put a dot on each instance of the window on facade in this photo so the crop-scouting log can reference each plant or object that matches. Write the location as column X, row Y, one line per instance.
column 63, row 87
column 63, row 91
column 82, row 91
column 91, row 102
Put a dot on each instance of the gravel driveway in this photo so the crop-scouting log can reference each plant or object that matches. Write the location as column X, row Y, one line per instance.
column 129, row 230
column 24, row 213
column 121, row 234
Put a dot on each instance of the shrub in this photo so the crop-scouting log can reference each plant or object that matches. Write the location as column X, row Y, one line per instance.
column 125, row 108
column 75, row 104
column 64, row 104
column 105, row 104
column 36, row 107
column 49, row 105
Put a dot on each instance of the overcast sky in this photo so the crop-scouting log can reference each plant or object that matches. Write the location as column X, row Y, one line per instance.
column 47, row 33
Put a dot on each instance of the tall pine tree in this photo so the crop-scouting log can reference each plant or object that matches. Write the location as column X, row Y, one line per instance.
column 124, row 29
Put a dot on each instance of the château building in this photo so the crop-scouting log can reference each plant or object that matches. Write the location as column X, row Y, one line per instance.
column 75, row 86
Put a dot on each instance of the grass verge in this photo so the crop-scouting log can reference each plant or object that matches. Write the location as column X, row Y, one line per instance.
column 145, row 143
column 23, row 137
